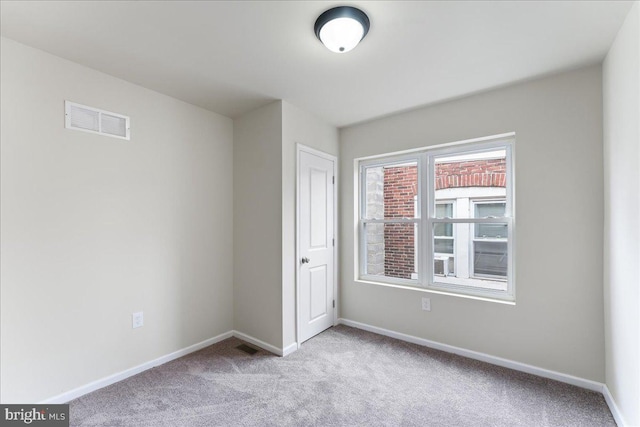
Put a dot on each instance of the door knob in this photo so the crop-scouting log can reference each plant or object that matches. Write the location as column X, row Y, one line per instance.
column 305, row 260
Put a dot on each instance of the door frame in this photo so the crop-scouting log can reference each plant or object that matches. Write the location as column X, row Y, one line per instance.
column 300, row 148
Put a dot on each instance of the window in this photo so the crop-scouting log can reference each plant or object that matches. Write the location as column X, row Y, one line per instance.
column 443, row 233
column 490, row 241
column 389, row 220
column 440, row 218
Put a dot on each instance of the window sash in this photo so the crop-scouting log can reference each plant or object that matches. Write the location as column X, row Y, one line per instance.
column 392, row 161
column 474, row 270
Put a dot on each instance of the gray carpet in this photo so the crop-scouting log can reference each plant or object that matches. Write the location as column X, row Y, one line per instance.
column 342, row 377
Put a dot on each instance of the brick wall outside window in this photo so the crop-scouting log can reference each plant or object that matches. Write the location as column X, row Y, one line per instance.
column 399, row 242
column 476, row 173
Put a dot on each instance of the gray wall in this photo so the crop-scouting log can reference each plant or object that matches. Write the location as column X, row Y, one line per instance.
column 557, row 322
column 621, row 91
column 298, row 127
column 265, row 216
column 95, row 228
column 257, row 226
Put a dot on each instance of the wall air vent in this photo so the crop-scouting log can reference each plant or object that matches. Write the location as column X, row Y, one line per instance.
column 93, row 120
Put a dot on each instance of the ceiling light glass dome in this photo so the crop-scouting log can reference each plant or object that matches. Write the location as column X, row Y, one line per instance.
column 341, row 29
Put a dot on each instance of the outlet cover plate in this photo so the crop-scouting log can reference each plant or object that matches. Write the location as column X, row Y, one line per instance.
column 137, row 319
column 426, row 304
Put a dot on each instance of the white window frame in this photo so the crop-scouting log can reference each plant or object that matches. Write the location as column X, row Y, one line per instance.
column 425, row 217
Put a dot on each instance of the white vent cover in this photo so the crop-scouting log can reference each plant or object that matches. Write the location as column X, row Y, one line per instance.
column 89, row 119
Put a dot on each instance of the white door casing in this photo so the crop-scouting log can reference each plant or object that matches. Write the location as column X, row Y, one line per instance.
column 316, row 240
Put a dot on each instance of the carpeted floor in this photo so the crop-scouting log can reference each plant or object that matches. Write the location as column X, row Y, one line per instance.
column 342, row 377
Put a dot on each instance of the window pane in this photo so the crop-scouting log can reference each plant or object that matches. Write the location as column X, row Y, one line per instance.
column 444, row 210
column 374, row 249
column 443, row 246
column 391, row 250
column 391, row 191
column 490, row 258
column 490, row 209
column 440, row 229
column 374, row 195
column 491, row 231
column 476, row 175
column 468, row 261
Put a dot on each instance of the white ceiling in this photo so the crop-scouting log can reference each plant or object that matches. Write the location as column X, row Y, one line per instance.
column 232, row 57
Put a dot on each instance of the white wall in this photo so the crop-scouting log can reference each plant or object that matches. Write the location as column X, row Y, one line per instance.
column 557, row 322
column 265, row 216
column 257, row 226
column 299, row 127
column 621, row 93
column 95, row 228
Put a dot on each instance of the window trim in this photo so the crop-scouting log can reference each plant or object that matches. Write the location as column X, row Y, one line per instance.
column 425, row 216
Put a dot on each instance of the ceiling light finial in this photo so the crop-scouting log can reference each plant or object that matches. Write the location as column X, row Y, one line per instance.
column 341, row 29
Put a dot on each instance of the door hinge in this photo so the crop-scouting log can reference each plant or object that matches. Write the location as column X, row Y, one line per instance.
column 333, row 241
column 333, row 180
column 334, row 303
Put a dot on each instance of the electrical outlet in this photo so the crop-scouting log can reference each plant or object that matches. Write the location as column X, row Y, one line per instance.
column 426, row 304
column 137, row 319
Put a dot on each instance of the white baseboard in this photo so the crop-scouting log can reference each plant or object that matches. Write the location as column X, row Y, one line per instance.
column 511, row 364
column 266, row 346
column 617, row 415
column 255, row 341
column 290, row 349
column 545, row 373
column 111, row 379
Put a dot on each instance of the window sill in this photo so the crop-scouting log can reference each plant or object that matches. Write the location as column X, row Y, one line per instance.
column 437, row 291
column 490, row 284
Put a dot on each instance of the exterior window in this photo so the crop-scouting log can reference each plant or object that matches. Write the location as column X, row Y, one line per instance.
column 464, row 241
column 390, row 221
column 443, row 243
column 443, row 233
column 490, row 241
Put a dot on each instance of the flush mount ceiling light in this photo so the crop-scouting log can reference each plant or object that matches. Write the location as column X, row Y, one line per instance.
column 340, row 29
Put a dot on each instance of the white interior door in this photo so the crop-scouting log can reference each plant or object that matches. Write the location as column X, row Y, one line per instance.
column 316, row 302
